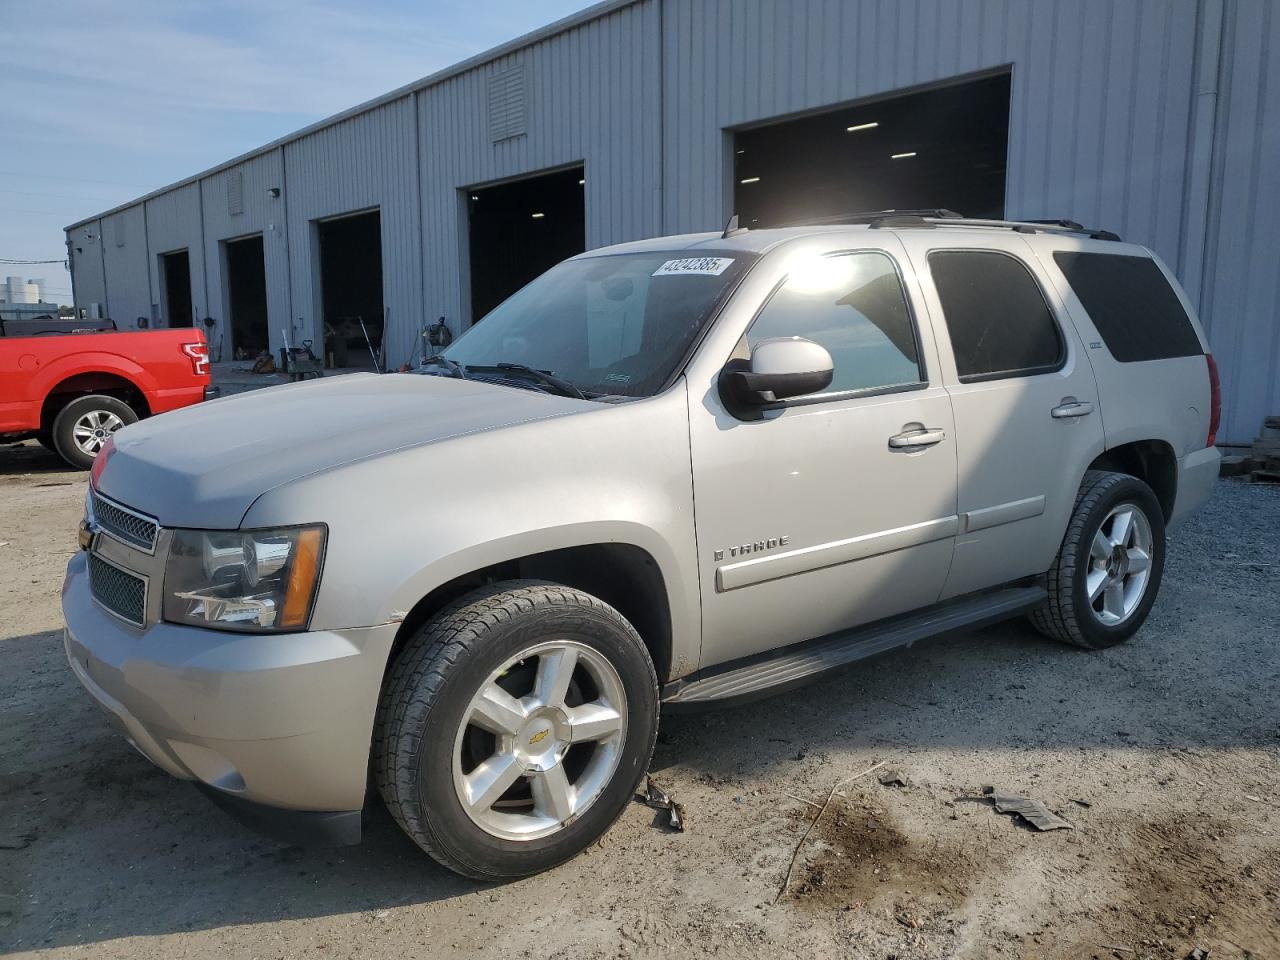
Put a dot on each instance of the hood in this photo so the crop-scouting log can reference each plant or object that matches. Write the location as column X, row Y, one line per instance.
column 203, row 466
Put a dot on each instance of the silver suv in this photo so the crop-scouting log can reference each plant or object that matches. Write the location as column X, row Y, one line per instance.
column 668, row 474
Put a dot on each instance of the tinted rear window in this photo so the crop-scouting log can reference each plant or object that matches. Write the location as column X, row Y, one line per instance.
column 1132, row 305
column 999, row 323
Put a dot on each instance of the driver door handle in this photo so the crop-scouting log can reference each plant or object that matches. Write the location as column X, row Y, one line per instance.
column 917, row 438
column 1071, row 407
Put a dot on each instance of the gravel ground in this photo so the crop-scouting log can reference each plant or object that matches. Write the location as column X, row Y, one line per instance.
column 1164, row 754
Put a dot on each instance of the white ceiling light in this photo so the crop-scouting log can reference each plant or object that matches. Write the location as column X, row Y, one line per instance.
column 861, row 126
column 902, row 156
column 582, row 181
column 538, row 216
column 750, row 180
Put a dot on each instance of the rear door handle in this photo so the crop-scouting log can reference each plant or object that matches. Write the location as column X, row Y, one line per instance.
column 917, row 438
column 1071, row 407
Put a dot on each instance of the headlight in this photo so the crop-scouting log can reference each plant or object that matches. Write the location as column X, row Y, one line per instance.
column 252, row 580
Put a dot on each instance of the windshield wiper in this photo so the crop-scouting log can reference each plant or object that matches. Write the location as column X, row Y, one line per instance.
column 546, row 379
column 453, row 366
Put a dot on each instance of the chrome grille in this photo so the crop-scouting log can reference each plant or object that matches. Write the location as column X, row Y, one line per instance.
column 119, row 591
column 124, row 524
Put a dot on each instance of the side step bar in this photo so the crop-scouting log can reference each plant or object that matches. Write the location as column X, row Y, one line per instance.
column 791, row 666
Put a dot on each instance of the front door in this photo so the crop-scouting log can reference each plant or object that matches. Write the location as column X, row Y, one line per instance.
column 821, row 514
column 1025, row 401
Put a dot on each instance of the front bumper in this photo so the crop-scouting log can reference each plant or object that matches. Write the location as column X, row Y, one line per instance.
column 274, row 720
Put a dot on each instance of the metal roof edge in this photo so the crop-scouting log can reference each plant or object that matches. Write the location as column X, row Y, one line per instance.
column 563, row 25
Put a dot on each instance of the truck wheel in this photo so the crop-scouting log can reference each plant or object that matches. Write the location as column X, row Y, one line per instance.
column 514, row 728
column 84, row 425
column 1107, row 573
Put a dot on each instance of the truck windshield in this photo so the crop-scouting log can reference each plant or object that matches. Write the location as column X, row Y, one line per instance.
column 612, row 325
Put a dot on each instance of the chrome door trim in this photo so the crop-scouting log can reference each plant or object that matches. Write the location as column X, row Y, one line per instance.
column 732, row 576
column 1003, row 513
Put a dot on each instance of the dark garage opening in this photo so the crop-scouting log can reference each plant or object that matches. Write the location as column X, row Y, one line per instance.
column 520, row 229
column 351, row 288
column 939, row 148
column 247, row 295
column 177, row 287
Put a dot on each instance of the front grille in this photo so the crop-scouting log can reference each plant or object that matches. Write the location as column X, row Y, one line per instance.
column 123, row 524
column 119, row 591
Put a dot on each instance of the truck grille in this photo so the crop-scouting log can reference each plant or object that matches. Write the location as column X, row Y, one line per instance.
column 123, row 524
column 119, row 591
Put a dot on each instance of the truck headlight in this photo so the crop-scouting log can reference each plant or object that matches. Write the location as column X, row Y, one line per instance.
column 257, row 581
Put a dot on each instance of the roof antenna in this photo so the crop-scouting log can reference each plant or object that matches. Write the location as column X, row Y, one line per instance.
column 731, row 228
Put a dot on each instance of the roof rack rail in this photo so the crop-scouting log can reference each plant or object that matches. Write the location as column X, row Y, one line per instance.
column 928, row 219
column 871, row 216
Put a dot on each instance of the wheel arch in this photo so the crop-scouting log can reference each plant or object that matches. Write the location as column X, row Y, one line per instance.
column 623, row 575
column 1151, row 461
column 87, row 383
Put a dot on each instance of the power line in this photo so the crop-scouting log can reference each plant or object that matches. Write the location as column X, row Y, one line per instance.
column 20, row 262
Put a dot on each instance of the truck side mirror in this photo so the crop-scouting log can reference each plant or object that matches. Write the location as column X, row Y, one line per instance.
column 779, row 368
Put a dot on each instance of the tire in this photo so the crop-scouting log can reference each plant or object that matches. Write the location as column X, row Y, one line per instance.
column 429, row 752
column 45, row 439
column 1089, row 558
column 83, row 425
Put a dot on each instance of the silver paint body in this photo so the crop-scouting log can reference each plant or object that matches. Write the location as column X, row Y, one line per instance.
column 851, row 529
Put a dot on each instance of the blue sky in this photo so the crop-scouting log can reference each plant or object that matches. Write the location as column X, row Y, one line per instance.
column 105, row 101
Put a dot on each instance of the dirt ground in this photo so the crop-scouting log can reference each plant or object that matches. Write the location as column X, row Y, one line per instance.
column 1164, row 754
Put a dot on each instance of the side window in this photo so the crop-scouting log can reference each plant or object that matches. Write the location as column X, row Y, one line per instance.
column 996, row 315
column 853, row 305
column 1132, row 305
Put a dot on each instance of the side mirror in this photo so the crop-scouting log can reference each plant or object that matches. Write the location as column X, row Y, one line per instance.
column 779, row 368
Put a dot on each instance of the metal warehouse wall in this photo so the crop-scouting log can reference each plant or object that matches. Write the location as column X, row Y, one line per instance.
column 174, row 222
column 592, row 96
column 259, row 213
column 1155, row 118
column 1241, row 302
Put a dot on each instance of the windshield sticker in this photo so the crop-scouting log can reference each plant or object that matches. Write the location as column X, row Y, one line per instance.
column 697, row 266
column 618, row 378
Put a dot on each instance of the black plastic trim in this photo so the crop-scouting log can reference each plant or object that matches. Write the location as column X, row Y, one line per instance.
column 300, row 828
column 774, row 671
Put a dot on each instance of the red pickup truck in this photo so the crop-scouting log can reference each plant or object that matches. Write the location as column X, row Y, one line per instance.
column 72, row 390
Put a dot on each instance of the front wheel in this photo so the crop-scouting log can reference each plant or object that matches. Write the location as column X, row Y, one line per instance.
column 1107, row 573
column 515, row 727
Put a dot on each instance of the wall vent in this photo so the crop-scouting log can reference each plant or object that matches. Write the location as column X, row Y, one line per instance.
column 507, row 113
column 235, row 192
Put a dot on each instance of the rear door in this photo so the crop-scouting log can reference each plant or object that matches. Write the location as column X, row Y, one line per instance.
column 1026, row 407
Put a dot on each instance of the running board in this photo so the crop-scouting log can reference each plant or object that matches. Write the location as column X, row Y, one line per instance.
column 791, row 666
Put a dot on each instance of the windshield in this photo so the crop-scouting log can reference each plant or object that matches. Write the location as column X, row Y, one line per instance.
column 609, row 325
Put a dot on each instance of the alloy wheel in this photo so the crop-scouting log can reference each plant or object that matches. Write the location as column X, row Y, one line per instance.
column 93, row 429
column 540, row 740
column 1119, row 566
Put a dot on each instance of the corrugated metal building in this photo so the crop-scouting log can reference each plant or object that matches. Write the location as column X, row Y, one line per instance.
column 1158, row 119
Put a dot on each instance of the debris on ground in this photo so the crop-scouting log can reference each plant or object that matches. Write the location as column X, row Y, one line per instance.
column 795, row 855
column 893, row 778
column 1198, row 954
column 1032, row 811
column 656, row 798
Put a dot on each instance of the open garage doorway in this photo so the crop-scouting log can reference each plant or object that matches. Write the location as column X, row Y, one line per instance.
column 945, row 147
column 247, row 295
column 175, row 274
column 351, row 289
column 519, row 229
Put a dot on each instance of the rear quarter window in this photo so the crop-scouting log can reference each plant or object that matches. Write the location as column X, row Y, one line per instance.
column 1132, row 304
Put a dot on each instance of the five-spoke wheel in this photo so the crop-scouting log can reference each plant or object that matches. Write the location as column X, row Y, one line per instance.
column 514, row 727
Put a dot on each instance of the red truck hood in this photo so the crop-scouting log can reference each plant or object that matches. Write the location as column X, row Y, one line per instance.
column 203, row 466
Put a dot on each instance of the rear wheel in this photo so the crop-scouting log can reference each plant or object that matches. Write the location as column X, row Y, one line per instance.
column 514, row 728
column 1107, row 573
column 84, row 425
